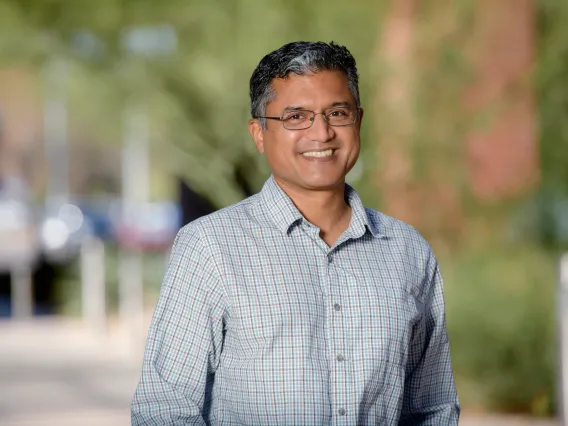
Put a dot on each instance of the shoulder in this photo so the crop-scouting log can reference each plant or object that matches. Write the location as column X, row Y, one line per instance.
column 405, row 245
column 409, row 250
column 199, row 246
column 400, row 233
column 220, row 225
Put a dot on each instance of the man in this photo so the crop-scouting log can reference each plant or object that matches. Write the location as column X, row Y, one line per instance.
column 299, row 306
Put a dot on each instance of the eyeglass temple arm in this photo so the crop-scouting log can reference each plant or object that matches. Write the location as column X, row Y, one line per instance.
column 270, row 118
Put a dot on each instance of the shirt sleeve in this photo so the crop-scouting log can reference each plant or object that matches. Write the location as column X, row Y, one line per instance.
column 430, row 396
column 184, row 339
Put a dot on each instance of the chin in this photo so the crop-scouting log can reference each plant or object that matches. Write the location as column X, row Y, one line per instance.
column 323, row 182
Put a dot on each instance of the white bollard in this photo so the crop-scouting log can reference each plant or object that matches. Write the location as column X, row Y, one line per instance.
column 563, row 335
column 93, row 284
column 22, row 293
column 131, row 300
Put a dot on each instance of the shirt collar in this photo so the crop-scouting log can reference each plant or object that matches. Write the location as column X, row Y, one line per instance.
column 283, row 213
column 281, row 210
column 360, row 222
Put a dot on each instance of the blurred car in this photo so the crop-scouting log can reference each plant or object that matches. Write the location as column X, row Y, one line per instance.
column 96, row 212
column 61, row 232
column 147, row 227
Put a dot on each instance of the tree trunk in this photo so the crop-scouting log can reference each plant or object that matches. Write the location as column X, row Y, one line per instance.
column 442, row 69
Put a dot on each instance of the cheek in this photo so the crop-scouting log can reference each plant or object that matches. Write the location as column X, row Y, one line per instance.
column 352, row 149
column 280, row 148
column 350, row 139
column 357, row 146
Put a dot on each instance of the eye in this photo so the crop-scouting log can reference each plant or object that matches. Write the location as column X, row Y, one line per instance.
column 295, row 116
column 337, row 113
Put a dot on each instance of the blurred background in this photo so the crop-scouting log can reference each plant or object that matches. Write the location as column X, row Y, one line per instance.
column 123, row 120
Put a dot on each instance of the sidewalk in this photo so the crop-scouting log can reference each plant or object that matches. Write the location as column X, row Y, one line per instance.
column 57, row 373
column 490, row 420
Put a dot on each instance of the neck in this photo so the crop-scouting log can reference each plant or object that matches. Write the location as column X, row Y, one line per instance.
column 326, row 209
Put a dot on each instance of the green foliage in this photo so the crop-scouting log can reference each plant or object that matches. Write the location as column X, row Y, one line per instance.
column 552, row 87
column 543, row 218
column 500, row 311
column 549, row 208
column 197, row 98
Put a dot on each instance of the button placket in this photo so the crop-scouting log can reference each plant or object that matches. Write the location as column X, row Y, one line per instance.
column 337, row 321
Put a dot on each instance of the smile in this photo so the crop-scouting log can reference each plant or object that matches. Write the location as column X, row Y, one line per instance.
column 325, row 153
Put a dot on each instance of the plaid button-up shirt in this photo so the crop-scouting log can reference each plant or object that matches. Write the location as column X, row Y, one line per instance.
column 259, row 322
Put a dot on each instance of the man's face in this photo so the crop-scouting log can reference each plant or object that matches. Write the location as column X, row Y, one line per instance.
column 288, row 151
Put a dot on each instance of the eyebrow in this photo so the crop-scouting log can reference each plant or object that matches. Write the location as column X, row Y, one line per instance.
column 301, row 108
column 294, row 108
column 338, row 104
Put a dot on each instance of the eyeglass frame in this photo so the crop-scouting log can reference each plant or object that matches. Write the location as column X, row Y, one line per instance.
column 313, row 118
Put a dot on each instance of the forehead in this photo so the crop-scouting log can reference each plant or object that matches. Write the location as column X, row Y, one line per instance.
column 311, row 91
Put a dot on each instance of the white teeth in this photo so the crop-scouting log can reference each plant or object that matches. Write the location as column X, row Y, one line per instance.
column 325, row 153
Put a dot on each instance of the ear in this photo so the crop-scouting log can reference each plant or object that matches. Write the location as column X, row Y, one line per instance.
column 257, row 133
column 361, row 113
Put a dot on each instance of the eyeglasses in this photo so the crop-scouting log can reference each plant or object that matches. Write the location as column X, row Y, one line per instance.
column 300, row 119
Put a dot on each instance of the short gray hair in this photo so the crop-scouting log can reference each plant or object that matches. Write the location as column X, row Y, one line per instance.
column 301, row 58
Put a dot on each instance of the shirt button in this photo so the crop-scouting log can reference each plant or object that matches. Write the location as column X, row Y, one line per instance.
column 337, row 307
column 341, row 411
column 340, row 358
column 329, row 258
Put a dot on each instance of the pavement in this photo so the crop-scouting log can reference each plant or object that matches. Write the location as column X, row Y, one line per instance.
column 56, row 372
column 60, row 373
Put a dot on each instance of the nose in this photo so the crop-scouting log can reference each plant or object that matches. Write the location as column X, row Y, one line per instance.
column 320, row 130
